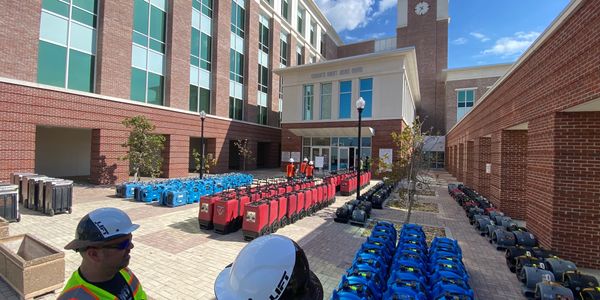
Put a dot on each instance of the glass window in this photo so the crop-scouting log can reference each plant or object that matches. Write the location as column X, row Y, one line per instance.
column 312, row 34
column 263, row 35
column 321, row 141
column 465, row 100
column 345, row 99
column 199, row 99
column 140, row 16
column 155, row 88
column 235, row 108
column 300, row 25
column 325, row 101
column 138, row 84
column 236, row 72
column 285, row 9
column 366, row 92
column 308, row 102
column 366, row 141
column 66, row 26
column 263, row 79
column 237, row 19
column 299, row 55
column 306, row 141
column 283, row 50
column 201, row 56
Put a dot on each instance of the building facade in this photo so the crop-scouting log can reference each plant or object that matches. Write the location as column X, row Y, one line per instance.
column 531, row 143
column 71, row 71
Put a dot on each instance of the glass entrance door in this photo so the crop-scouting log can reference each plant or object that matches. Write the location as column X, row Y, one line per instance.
column 321, row 151
column 343, row 157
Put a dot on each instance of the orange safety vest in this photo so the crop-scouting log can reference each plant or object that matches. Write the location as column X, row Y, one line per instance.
column 303, row 167
column 309, row 171
column 290, row 170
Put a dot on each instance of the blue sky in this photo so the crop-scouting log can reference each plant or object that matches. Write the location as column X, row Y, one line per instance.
column 481, row 32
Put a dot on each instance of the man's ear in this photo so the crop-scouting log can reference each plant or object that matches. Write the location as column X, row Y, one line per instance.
column 93, row 254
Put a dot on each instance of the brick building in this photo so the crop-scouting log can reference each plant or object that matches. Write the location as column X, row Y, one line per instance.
column 71, row 71
column 531, row 144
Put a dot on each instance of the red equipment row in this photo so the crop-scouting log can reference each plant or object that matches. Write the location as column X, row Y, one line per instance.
column 348, row 185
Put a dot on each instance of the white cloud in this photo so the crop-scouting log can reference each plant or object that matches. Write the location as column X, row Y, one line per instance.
column 347, row 14
column 384, row 5
column 460, row 41
column 515, row 45
column 375, row 35
column 480, row 36
column 350, row 38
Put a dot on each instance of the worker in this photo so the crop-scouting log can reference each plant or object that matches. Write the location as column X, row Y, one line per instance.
column 103, row 239
column 310, row 170
column 290, row 169
column 367, row 164
column 303, row 166
column 270, row 267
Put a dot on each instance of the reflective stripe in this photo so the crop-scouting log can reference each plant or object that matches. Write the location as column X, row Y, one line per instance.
column 79, row 292
column 133, row 282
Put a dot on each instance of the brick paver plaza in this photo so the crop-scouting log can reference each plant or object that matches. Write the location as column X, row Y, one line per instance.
column 174, row 259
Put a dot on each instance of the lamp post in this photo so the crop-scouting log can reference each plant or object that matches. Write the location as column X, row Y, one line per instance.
column 360, row 105
column 202, row 117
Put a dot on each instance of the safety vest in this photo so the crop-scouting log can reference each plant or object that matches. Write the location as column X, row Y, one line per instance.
column 303, row 167
column 79, row 289
column 290, row 170
column 309, row 171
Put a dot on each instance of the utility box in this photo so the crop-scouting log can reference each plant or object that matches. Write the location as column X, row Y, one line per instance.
column 9, row 202
column 58, row 197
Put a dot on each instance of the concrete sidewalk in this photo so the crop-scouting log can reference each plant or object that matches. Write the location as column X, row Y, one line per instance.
column 174, row 259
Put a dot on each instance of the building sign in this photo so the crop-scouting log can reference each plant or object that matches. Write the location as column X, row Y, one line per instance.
column 319, row 160
column 336, row 73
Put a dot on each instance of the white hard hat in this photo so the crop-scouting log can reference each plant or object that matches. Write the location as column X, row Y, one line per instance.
column 306, row 159
column 269, row 267
column 311, row 163
column 101, row 225
column 291, row 159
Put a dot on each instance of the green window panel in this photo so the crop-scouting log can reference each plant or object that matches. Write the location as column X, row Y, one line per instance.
column 199, row 98
column 140, row 16
column 205, row 100
column 52, row 64
column 195, row 61
column 157, row 46
column 235, row 108
column 157, row 23
column 193, row 97
column 140, row 39
column 56, row 6
column 156, row 86
column 89, row 5
column 84, row 17
column 262, row 115
column 138, row 85
column 195, row 50
column 205, row 51
column 81, row 71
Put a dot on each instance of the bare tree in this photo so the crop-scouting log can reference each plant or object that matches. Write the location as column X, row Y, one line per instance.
column 244, row 151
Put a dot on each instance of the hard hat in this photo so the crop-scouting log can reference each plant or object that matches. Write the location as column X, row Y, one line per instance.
column 269, row 267
column 311, row 163
column 306, row 159
column 291, row 159
column 99, row 226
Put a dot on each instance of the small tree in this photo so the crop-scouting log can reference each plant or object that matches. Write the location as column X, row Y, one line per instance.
column 244, row 151
column 209, row 161
column 144, row 147
column 409, row 165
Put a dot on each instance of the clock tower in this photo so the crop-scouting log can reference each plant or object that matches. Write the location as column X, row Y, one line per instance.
column 423, row 24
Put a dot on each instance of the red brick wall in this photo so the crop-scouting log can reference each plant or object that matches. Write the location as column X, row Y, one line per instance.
column 461, row 162
column 251, row 55
column 356, row 49
column 576, row 198
column 274, row 56
column 178, row 59
column 331, row 48
column 452, row 96
column 561, row 179
column 513, row 177
column 20, row 23
column 113, row 57
column 20, row 108
column 481, row 179
column 221, row 45
column 470, row 163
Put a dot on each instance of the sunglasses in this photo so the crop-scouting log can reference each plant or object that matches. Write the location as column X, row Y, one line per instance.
column 120, row 246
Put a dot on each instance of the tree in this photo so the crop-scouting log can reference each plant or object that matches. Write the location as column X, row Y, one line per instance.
column 244, row 151
column 409, row 165
column 144, row 147
column 209, row 161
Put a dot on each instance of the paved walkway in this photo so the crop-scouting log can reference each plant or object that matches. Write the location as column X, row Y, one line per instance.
column 176, row 260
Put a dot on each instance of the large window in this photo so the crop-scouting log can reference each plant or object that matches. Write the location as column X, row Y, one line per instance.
column 308, row 102
column 200, row 56
column 366, row 92
column 238, row 17
column 300, row 25
column 325, row 101
column 67, row 44
column 299, row 55
column 345, row 99
column 285, row 9
column 148, row 51
column 313, row 40
column 236, row 66
column 465, row 100
column 236, row 108
column 263, row 69
column 283, row 49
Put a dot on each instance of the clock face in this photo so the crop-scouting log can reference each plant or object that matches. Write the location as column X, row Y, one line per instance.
column 421, row 8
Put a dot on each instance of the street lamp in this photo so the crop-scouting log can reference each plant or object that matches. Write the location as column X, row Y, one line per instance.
column 202, row 117
column 360, row 105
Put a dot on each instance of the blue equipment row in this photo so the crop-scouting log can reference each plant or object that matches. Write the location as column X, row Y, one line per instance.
column 177, row 192
column 388, row 266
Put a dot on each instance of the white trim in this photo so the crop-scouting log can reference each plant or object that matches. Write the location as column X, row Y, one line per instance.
column 465, row 89
column 351, row 119
column 118, row 100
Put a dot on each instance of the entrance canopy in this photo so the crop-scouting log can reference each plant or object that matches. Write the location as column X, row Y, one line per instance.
column 333, row 131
